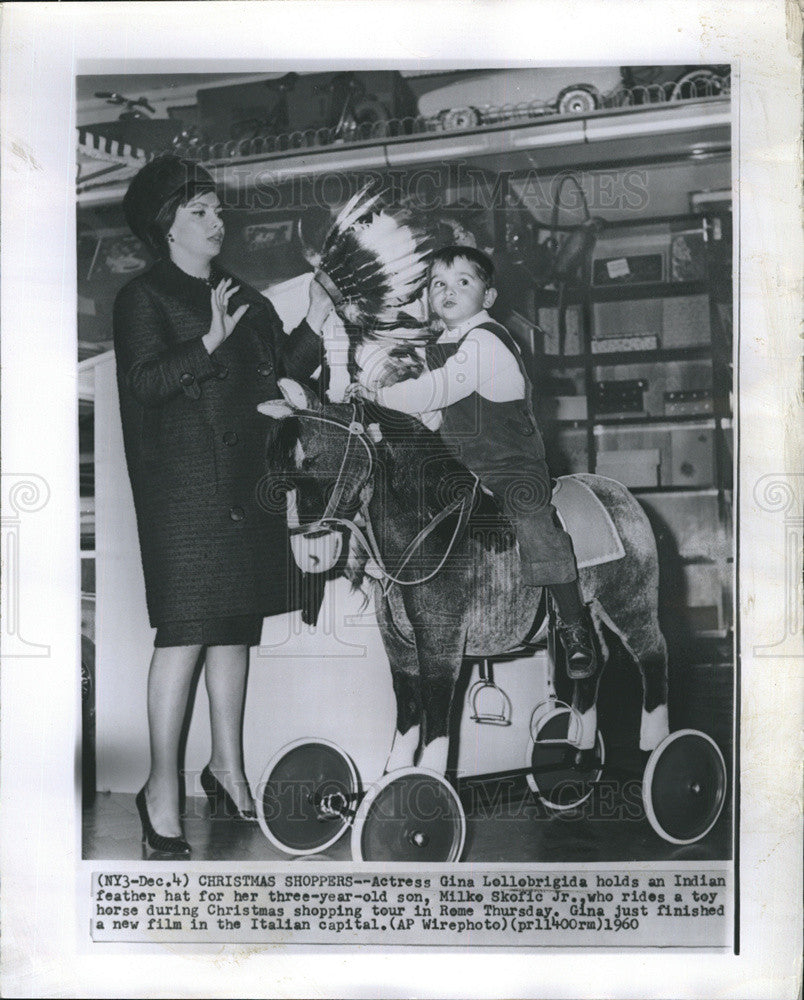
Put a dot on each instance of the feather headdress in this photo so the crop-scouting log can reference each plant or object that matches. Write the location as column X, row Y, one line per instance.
column 373, row 263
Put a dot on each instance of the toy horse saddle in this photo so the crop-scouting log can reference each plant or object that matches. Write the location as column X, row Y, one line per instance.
column 587, row 522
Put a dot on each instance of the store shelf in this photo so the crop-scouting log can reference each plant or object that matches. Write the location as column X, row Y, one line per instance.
column 548, row 298
column 680, row 458
column 626, row 357
column 705, row 419
column 701, row 491
column 658, row 220
column 648, row 290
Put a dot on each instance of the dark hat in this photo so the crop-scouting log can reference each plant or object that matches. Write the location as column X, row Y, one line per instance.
column 155, row 183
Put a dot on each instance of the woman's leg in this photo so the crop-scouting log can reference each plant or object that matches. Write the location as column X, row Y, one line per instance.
column 169, row 678
column 226, row 672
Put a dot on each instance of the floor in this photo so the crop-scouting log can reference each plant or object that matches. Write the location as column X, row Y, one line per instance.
column 504, row 822
column 520, row 831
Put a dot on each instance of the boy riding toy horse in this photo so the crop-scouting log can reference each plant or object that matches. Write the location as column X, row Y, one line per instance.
column 476, row 392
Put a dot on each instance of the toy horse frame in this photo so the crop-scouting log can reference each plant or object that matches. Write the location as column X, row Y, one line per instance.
column 451, row 584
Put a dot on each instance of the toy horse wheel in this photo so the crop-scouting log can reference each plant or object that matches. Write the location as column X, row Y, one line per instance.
column 684, row 786
column 307, row 796
column 409, row 815
column 559, row 773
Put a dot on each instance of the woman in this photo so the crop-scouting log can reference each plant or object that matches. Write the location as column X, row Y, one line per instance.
column 196, row 352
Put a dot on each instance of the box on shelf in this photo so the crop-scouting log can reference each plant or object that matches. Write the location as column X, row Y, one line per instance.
column 611, row 345
column 620, row 397
column 548, row 324
column 692, row 451
column 685, row 402
column 687, row 456
column 571, row 408
column 631, row 467
column 631, row 270
column 675, row 320
column 645, row 250
column 550, row 387
column 630, row 318
column 662, row 378
column 686, row 321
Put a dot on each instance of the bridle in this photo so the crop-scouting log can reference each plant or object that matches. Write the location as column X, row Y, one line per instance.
column 357, row 435
column 367, row 539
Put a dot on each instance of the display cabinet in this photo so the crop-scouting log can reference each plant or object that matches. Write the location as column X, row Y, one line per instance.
column 634, row 383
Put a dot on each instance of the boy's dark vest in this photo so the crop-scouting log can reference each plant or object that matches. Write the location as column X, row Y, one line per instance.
column 500, row 442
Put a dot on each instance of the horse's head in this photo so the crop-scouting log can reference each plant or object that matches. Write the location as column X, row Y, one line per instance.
column 322, row 457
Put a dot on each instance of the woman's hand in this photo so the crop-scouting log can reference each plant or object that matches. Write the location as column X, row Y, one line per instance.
column 319, row 308
column 222, row 323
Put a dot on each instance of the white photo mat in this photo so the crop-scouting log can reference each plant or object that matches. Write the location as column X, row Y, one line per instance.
column 46, row 949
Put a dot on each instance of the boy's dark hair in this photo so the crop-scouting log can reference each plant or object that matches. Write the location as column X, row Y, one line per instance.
column 448, row 255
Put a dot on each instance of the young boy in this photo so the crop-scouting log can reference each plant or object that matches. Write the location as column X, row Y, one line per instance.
column 478, row 385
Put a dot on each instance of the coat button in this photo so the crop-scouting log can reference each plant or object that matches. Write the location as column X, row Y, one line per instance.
column 190, row 386
column 230, row 438
column 222, row 371
column 265, row 369
column 237, row 514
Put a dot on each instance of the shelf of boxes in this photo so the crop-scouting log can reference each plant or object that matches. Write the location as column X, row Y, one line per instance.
column 632, row 393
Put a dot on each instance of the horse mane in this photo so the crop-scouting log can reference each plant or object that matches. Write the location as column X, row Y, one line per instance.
column 405, row 446
column 280, row 440
column 404, row 436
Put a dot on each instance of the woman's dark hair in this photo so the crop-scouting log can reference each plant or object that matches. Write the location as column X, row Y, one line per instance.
column 156, row 232
column 448, row 255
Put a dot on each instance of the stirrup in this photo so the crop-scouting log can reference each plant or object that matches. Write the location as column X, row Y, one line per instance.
column 490, row 705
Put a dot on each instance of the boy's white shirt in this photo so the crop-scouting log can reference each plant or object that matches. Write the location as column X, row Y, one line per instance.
column 483, row 365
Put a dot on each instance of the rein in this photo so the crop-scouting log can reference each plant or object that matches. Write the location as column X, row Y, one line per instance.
column 367, row 539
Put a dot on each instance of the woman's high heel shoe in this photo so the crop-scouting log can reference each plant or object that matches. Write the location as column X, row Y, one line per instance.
column 164, row 845
column 221, row 802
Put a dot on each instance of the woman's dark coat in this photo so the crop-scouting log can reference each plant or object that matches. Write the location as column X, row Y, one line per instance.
column 194, row 445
